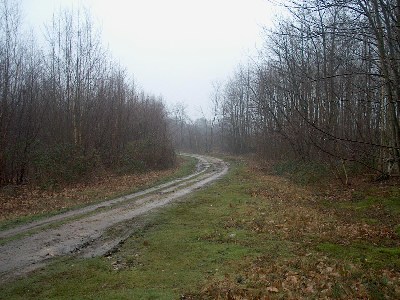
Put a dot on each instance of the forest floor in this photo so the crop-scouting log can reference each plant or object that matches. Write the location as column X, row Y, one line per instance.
column 251, row 235
column 22, row 203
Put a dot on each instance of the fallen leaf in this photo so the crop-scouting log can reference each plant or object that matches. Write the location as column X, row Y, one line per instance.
column 272, row 289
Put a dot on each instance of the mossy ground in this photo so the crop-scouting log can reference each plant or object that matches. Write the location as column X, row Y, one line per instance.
column 250, row 235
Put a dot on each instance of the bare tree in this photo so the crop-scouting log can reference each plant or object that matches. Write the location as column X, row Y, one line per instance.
column 68, row 108
column 325, row 87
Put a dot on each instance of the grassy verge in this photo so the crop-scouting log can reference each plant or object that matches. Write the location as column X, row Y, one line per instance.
column 27, row 206
column 251, row 235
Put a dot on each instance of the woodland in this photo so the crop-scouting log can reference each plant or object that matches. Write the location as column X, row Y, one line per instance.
column 325, row 87
column 67, row 109
column 309, row 208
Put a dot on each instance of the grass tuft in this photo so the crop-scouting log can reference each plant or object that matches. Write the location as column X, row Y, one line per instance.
column 250, row 235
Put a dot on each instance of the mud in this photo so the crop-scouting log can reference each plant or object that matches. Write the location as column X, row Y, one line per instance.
column 82, row 231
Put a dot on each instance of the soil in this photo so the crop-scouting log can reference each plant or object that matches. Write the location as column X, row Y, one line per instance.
column 86, row 231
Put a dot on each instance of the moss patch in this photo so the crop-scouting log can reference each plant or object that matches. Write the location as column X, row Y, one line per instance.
column 251, row 235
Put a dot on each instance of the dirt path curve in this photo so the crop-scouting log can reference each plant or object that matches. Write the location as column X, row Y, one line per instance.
column 82, row 231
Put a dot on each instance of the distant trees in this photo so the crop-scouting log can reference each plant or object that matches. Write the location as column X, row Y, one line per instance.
column 326, row 85
column 67, row 108
column 188, row 135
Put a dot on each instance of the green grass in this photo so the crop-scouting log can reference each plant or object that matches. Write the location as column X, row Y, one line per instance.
column 397, row 230
column 373, row 259
column 367, row 254
column 182, row 247
column 302, row 172
column 372, row 206
column 368, row 199
column 185, row 169
column 7, row 224
column 208, row 242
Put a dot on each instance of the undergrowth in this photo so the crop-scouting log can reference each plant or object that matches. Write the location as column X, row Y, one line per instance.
column 21, row 204
column 251, row 235
column 302, row 172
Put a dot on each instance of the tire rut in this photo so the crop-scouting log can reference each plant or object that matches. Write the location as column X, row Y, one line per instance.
column 85, row 234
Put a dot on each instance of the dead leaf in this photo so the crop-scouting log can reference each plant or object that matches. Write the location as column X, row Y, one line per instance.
column 272, row 289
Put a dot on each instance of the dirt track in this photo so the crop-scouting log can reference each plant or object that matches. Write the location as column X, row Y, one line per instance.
column 82, row 232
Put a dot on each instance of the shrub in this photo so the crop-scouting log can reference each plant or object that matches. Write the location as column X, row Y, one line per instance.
column 64, row 163
column 302, row 172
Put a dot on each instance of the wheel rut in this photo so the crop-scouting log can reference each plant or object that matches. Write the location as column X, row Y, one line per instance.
column 82, row 231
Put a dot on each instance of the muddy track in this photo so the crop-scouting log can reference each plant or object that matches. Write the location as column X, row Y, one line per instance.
column 83, row 231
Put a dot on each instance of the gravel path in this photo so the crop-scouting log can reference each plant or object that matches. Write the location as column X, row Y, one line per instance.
column 30, row 246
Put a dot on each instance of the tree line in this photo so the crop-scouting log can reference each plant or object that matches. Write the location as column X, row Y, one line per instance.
column 325, row 85
column 67, row 109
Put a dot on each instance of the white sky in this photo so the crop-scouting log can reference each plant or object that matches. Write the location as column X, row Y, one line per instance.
column 173, row 48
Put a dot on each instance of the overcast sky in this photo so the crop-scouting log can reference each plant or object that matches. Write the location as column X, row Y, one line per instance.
column 173, row 48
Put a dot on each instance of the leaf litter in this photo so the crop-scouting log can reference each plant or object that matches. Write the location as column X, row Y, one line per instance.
column 24, row 200
column 297, row 215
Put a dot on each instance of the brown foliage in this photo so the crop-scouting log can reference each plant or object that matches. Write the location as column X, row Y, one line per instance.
column 301, row 219
column 19, row 201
